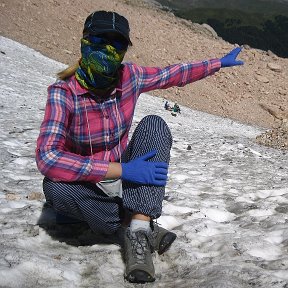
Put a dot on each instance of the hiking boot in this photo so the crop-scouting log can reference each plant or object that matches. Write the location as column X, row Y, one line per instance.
column 138, row 258
column 160, row 238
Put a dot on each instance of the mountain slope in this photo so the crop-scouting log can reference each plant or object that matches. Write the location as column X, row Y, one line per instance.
column 159, row 39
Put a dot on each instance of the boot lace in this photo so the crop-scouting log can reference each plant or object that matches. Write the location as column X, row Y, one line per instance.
column 140, row 245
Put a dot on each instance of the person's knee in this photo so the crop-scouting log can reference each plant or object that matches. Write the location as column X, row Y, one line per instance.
column 155, row 122
column 152, row 119
column 58, row 193
column 48, row 189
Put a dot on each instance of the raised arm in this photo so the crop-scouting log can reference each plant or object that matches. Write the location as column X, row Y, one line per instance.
column 151, row 78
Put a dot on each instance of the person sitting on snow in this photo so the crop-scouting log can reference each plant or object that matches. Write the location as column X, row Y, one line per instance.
column 176, row 108
column 167, row 106
column 83, row 146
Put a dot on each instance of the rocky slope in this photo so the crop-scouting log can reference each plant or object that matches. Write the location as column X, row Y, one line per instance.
column 54, row 28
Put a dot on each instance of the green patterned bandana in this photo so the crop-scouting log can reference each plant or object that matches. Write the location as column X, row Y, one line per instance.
column 98, row 66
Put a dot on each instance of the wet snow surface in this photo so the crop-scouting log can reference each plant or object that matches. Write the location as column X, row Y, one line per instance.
column 227, row 199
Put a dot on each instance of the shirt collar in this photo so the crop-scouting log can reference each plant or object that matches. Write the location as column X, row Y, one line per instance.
column 78, row 88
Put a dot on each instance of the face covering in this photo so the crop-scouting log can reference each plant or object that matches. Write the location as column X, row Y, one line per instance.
column 98, row 66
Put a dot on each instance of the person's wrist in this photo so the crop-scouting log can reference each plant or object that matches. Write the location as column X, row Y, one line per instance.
column 114, row 170
column 124, row 171
column 223, row 63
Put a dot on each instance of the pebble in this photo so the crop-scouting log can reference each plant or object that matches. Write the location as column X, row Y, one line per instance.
column 274, row 67
column 262, row 79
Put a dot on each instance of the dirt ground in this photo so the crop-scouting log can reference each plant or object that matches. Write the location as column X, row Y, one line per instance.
column 255, row 93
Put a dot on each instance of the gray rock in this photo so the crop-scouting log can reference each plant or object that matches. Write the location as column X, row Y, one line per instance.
column 274, row 67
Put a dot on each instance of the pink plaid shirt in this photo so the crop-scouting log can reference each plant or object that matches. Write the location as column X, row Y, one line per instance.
column 63, row 150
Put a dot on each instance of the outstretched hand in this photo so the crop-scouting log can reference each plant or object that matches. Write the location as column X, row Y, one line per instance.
column 229, row 60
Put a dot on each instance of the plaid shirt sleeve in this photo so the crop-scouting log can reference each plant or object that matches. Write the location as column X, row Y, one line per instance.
column 52, row 159
column 151, row 78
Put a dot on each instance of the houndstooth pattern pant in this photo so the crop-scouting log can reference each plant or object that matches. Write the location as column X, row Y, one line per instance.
column 85, row 201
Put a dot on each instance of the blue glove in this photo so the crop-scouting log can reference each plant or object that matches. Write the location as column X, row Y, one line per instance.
column 141, row 171
column 230, row 59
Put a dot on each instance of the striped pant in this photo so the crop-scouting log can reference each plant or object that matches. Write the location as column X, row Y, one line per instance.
column 85, row 201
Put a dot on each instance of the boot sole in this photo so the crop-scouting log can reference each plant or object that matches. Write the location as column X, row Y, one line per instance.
column 166, row 242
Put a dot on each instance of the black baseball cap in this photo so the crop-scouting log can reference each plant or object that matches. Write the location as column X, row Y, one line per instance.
column 100, row 22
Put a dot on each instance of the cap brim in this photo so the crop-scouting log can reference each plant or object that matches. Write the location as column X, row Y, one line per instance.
column 101, row 31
